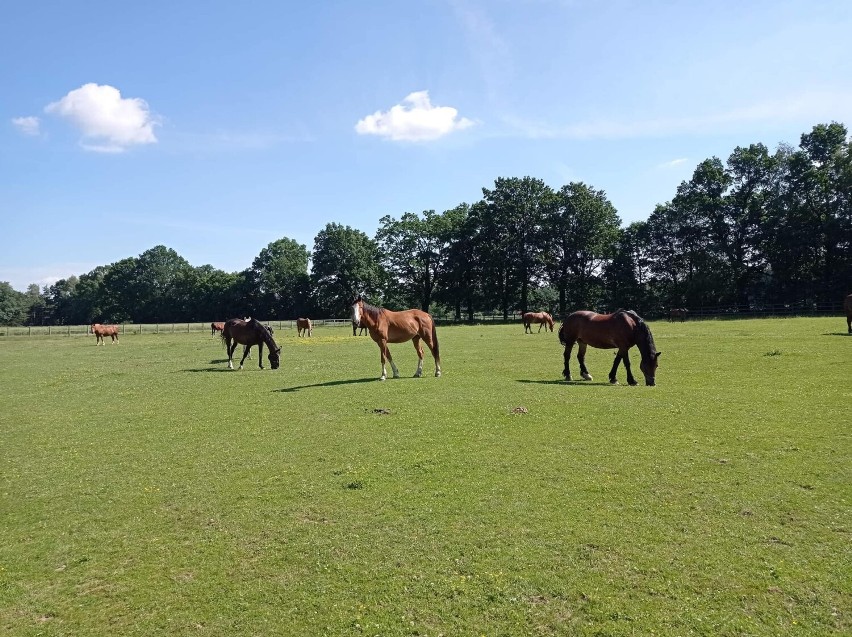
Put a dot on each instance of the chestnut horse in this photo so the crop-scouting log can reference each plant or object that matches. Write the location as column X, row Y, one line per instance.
column 847, row 305
column 249, row 332
column 386, row 327
column 104, row 330
column 216, row 327
column 678, row 313
column 620, row 330
column 304, row 326
column 543, row 318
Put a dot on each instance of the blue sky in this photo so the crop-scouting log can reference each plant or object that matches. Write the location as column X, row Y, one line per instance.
column 215, row 128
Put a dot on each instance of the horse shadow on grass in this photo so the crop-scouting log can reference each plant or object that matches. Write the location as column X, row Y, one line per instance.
column 573, row 383
column 210, row 369
column 836, row 334
column 331, row 383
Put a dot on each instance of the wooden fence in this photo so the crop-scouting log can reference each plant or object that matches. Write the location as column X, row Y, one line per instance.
column 710, row 312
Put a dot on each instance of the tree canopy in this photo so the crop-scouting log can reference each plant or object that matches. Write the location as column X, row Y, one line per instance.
column 760, row 227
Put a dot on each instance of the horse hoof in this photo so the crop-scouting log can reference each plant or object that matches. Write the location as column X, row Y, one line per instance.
column 633, row 384
column 612, row 381
column 586, row 376
column 418, row 375
column 437, row 374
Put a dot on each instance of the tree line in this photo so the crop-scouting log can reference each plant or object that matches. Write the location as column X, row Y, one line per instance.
column 760, row 228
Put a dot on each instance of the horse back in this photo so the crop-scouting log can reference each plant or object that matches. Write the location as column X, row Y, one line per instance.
column 405, row 325
column 603, row 331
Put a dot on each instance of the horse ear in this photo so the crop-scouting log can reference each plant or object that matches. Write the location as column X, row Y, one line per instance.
column 658, row 354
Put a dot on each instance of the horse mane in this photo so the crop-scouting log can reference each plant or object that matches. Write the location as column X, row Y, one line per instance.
column 372, row 310
column 264, row 333
column 644, row 338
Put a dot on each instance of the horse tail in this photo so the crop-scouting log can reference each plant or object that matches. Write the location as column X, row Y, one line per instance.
column 435, row 351
column 561, row 336
column 222, row 336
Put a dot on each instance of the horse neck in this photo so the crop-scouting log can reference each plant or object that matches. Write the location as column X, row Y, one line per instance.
column 267, row 338
column 370, row 315
column 644, row 340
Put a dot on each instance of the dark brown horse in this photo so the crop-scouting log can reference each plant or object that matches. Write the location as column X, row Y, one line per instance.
column 249, row 332
column 678, row 313
column 620, row 330
column 216, row 327
column 355, row 327
column 386, row 327
column 543, row 318
column 304, row 326
column 104, row 330
column 847, row 306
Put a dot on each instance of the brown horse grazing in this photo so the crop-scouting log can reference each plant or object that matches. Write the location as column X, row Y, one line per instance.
column 304, row 326
column 678, row 313
column 249, row 332
column 398, row 327
column 104, row 330
column 216, row 327
column 620, row 330
column 847, row 305
column 543, row 318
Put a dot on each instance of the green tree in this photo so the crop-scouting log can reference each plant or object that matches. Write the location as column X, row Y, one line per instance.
column 460, row 286
column 13, row 305
column 345, row 263
column 512, row 239
column 582, row 236
column 751, row 172
column 279, row 275
column 627, row 274
column 60, row 299
column 811, row 225
column 414, row 252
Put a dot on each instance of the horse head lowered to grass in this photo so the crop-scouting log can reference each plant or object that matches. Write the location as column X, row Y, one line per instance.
column 249, row 332
column 620, row 330
column 544, row 320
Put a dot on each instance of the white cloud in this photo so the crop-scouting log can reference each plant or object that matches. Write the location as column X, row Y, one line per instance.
column 673, row 163
column 108, row 122
column 27, row 125
column 414, row 120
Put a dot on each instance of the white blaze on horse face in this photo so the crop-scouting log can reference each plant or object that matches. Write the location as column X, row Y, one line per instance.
column 356, row 313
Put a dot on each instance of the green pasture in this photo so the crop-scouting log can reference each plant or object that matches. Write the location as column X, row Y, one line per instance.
column 147, row 490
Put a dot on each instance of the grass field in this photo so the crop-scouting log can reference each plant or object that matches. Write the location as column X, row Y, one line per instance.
column 147, row 490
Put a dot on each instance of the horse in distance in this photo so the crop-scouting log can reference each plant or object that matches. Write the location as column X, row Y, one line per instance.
column 100, row 331
column 216, row 327
column 304, row 326
column 544, row 320
column 847, row 306
column 249, row 332
column 678, row 313
column 356, row 327
column 386, row 326
column 620, row 330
